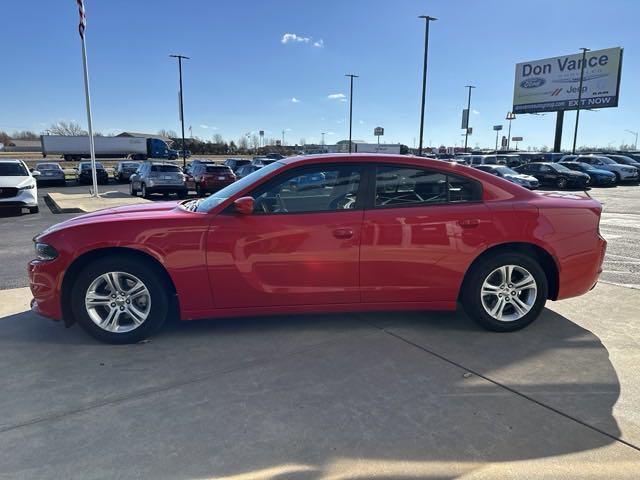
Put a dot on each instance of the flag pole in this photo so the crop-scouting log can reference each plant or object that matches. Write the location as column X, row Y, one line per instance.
column 81, row 28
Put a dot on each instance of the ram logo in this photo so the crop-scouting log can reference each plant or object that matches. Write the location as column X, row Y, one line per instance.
column 533, row 82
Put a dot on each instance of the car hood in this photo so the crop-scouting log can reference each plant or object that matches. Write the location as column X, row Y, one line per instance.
column 15, row 181
column 597, row 171
column 128, row 212
column 575, row 174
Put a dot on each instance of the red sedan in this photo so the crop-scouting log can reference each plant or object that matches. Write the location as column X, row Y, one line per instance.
column 357, row 233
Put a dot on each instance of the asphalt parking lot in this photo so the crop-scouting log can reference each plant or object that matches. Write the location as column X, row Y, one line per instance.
column 386, row 395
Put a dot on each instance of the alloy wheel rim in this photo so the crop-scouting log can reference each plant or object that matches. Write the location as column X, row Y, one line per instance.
column 508, row 293
column 118, row 302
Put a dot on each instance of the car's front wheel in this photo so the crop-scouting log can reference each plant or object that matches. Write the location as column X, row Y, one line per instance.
column 505, row 292
column 120, row 299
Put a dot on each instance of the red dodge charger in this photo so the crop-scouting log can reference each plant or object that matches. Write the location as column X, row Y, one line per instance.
column 331, row 233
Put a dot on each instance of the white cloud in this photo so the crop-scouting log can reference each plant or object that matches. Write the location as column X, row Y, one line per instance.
column 319, row 44
column 205, row 126
column 330, row 133
column 337, row 96
column 475, row 112
column 292, row 37
column 361, row 122
column 294, row 100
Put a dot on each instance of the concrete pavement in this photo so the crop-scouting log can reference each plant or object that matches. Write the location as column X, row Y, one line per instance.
column 84, row 202
column 383, row 395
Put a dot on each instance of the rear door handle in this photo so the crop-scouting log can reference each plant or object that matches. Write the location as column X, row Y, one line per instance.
column 343, row 233
column 469, row 222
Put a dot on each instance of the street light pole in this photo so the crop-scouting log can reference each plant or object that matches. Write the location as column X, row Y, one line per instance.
column 424, row 76
column 510, row 116
column 635, row 144
column 575, row 132
column 323, row 134
column 184, row 153
column 351, row 77
column 466, row 132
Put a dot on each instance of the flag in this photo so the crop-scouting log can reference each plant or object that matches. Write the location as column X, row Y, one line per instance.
column 83, row 18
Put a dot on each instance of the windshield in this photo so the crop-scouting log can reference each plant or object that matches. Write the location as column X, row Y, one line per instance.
column 221, row 195
column 87, row 166
column 505, row 171
column 606, row 160
column 623, row 159
column 217, row 169
column 559, row 167
column 130, row 165
column 13, row 170
column 164, row 168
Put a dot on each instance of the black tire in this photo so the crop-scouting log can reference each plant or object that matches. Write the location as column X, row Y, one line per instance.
column 471, row 299
column 35, row 209
column 618, row 177
column 145, row 194
column 148, row 273
column 198, row 190
column 132, row 191
column 562, row 182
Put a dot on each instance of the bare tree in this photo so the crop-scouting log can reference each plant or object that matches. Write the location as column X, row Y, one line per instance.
column 243, row 144
column 25, row 135
column 66, row 128
column 217, row 138
column 167, row 133
column 4, row 138
column 255, row 141
column 303, row 141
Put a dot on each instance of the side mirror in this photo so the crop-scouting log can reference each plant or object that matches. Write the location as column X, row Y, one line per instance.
column 35, row 173
column 244, row 205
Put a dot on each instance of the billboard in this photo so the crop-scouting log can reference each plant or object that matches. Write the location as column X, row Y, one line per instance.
column 552, row 84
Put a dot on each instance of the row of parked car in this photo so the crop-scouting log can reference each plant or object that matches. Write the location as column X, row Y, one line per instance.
column 563, row 171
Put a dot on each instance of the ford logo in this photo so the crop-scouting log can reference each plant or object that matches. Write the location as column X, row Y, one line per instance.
column 533, row 82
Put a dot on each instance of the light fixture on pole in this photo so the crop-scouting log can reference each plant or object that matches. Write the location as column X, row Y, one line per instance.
column 466, row 124
column 510, row 116
column 184, row 151
column 351, row 77
column 575, row 132
column 635, row 144
column 428, row 20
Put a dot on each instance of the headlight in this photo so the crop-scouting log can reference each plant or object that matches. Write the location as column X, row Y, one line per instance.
column 28, row 187
column 45, row 251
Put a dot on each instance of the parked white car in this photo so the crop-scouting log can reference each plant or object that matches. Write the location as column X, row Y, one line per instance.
column 18, row 187
column 623, row 173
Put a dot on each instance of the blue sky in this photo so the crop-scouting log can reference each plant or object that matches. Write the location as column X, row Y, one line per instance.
column 242, row 77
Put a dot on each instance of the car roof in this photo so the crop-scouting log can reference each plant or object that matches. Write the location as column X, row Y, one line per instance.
column 10, row 160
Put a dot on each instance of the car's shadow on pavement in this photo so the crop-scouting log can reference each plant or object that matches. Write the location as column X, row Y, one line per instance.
column 302, row 396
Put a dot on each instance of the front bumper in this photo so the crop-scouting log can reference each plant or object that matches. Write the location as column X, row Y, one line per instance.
column 45, row 284
column 629, row 177
column 24, row 198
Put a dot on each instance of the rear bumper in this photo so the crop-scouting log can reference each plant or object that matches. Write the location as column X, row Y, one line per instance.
column 214, row 186
column 579, row 273
column 166, row 189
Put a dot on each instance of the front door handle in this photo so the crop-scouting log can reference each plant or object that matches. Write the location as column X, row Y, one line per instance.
column 469, row 222
column 343, row 233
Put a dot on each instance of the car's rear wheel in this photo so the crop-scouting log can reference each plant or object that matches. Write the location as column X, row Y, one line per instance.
column 120, row 299
column 505, row 292
column 618, row 177
column 132, row 190
column 145, row 194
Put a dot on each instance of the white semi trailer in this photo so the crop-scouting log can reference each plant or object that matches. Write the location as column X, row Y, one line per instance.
column 77, row 147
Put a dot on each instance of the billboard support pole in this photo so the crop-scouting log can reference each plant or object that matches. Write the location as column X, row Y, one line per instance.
column 466, row 132
column 575, row 132
column 557, row 141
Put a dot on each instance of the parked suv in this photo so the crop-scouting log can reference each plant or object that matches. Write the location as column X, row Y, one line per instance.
column 235, row 163
column 208, row 178
column 157, row 177
column 623, row 173
column 85, row 176
column 124, row 170
column 18, row 186
column 554, row 175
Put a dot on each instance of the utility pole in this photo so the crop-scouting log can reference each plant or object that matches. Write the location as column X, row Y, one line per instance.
column 184, row 152
column 323, row 134
column 282, row 138
column 424, row 75
column 466, row 132
column 351, row 77
column 510, row 116
column 635, row 144
column 575, row 132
